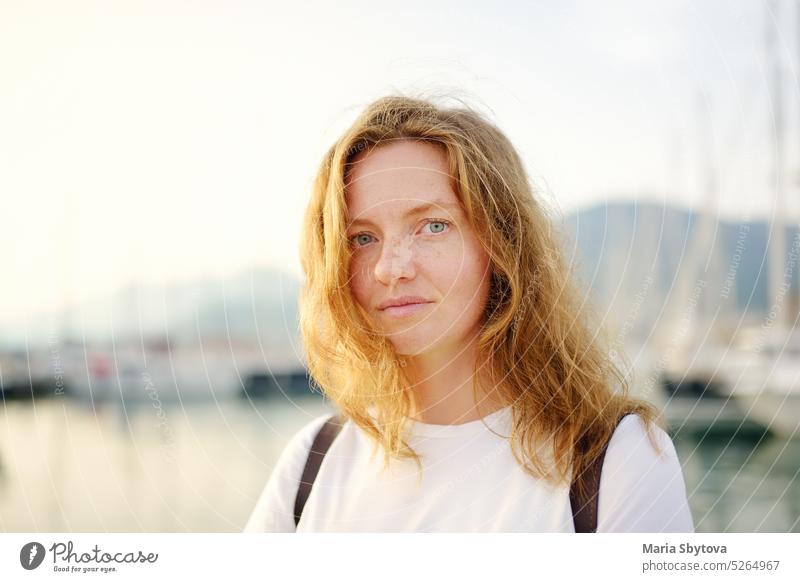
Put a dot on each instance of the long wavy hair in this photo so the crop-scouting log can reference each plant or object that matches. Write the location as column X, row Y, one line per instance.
column 538, row 338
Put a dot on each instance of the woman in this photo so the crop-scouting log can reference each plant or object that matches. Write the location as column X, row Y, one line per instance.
column 439, row 317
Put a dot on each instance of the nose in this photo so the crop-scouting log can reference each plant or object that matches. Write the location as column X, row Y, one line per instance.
column 396, row 260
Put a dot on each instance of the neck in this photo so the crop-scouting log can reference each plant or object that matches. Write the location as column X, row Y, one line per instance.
column 444, row 387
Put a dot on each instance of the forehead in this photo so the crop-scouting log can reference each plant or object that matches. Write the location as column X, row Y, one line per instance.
column 398, row 176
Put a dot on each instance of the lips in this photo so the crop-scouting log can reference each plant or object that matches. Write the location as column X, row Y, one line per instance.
column 402, row 302
column 407, row 310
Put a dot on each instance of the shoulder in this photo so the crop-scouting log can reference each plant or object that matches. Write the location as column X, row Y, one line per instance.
column 641, row 483
column 274, row 510
column 293, row 458
column 300, row 442
column 631, row 438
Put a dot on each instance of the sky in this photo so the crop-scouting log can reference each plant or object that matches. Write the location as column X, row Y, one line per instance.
column 160, row 141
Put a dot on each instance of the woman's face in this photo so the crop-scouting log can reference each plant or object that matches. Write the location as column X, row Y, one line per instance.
column 409, row 238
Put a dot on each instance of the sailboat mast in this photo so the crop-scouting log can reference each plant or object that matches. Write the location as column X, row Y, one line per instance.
column 777, row 242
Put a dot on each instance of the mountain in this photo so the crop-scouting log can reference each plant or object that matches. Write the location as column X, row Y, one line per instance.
column 628, row 255
column 256, row 306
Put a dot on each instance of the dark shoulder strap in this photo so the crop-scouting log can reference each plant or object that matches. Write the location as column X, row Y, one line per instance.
column 584, row 509
column 322, row 442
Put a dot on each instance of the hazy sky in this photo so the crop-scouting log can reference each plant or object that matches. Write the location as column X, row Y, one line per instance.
column 157, row 141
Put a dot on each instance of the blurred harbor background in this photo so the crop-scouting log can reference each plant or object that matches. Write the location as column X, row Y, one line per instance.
column 174, row 427
column 153, row 186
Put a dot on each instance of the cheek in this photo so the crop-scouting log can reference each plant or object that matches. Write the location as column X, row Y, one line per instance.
column 474, row 279
column 458, row 268
column 478, row 259
column 359, row 282
column 443, row 261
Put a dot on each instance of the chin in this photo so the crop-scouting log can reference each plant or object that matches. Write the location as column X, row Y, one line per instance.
column 410, row 344
column 405, row 348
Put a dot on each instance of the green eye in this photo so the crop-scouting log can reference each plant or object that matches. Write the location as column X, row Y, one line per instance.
column 437, row 226
column 363, row 237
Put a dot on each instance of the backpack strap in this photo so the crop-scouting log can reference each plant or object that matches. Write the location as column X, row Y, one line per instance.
column 584, row 508
column 322, row 442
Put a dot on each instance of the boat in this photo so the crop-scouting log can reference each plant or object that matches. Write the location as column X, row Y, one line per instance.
column 763, row 374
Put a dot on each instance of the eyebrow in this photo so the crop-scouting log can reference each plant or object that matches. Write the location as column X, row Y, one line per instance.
column 422, row 208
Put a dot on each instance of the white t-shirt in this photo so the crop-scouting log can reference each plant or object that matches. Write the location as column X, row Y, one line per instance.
column 471, row 483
